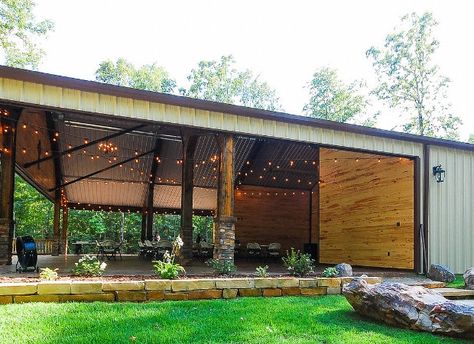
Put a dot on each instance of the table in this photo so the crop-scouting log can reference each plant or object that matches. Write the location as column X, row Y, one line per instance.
column 78, row 246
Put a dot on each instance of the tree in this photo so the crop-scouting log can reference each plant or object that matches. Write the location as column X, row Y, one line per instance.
column 219, row 81
column 408, row 79
column 333, row 100
column 148, row 77
column 19, row 32
column 471, row 139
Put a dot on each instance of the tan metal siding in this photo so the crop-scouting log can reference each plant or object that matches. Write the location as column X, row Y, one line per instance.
column 63, row 98
column 451, row 209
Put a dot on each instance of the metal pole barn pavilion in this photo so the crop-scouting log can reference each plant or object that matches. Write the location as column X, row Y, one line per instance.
column 364, row 196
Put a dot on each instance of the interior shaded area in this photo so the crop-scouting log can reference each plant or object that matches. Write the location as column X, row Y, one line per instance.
column 342, row 206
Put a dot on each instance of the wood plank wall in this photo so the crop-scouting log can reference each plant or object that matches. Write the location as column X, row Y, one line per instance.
column 366, row 210
column 271, row 218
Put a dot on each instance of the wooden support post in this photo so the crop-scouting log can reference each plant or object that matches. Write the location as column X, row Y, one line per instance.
column 151, row 190
column 8, row 121
column 143, row 232
column 224, row 222
column 187, row 186
column 64, row 230
column 56, row 228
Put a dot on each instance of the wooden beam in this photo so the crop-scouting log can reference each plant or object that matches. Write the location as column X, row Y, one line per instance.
column 135, row 209
column 151, row 189
column 143, row 231
column 224, row 222
column 101, row 170
column 225, row 190
column 57, row 154
column 64, row 230
column 251, row 157
column 8, row 122
column 56, row 228
column 187, row 186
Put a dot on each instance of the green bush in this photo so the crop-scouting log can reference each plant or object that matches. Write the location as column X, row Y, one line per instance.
column 222, row 267
column 262, row 271
column 89, row 266
column 167, row 268
column 48, row 274
column 330, row 272
column 297, row 263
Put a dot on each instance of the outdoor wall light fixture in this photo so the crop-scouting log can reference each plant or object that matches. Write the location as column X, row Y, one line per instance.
column 439, row 173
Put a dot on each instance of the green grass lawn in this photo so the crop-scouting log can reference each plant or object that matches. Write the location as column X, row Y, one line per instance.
column 457, row 283
column 328, row 319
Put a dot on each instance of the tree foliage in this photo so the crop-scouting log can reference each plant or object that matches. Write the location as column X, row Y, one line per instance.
column 409, row 80
column 20, row 32
column 220, row 81
column 149, row 77
column 333, row 100
column 471, row 139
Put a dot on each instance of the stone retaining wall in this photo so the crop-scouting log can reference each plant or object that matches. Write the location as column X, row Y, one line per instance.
column 157, row 290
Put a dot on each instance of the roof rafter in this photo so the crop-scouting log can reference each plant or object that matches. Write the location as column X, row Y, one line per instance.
column 57, row 153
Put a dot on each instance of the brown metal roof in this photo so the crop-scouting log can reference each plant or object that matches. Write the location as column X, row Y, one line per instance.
column 92, row 86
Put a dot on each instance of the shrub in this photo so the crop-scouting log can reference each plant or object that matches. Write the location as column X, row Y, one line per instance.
column 89, row 266
column 330, row 272
column 297, row 263
column 262, row 271
column 48, row 274
column 222, row 267
column 167, row 268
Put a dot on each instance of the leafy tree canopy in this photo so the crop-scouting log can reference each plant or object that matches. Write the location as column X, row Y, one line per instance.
column 409, row 80
column 220, row 81
column 471, row 139
column 19, row 33
column 147, row 77
column 333, row 100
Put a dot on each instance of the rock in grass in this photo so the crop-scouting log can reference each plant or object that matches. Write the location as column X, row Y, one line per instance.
column 469, row 278
column 412, row 307
column 344, row 270
column 441, row 273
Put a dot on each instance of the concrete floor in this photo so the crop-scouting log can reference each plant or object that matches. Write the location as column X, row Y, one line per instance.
column 132, row 265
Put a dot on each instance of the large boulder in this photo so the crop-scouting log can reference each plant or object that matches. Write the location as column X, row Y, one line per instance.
column 441, row 273
column 412, row 307
column 469, row 278
column 344, row 270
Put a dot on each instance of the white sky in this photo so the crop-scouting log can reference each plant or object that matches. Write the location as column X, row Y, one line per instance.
column 282, row 41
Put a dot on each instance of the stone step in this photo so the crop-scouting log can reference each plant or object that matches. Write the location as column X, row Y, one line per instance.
column 455, row 293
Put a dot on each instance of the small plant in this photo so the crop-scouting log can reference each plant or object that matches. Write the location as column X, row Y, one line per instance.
column 298, row 264
column 330, row 272
column 222, row 267
column 89, row 266
column 167, row 268
column 262, row 271
column 48, row 274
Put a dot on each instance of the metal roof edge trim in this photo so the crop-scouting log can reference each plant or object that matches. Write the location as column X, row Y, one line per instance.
column 156, row 97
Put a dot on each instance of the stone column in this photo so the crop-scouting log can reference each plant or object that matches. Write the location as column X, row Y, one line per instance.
column 224, row 222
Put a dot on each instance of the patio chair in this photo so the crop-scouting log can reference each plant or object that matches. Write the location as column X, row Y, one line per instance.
column 205, row 249
column 254, row 249
column 109, row 249
column 274, row 250
column 161, row 247
column 142, row 249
